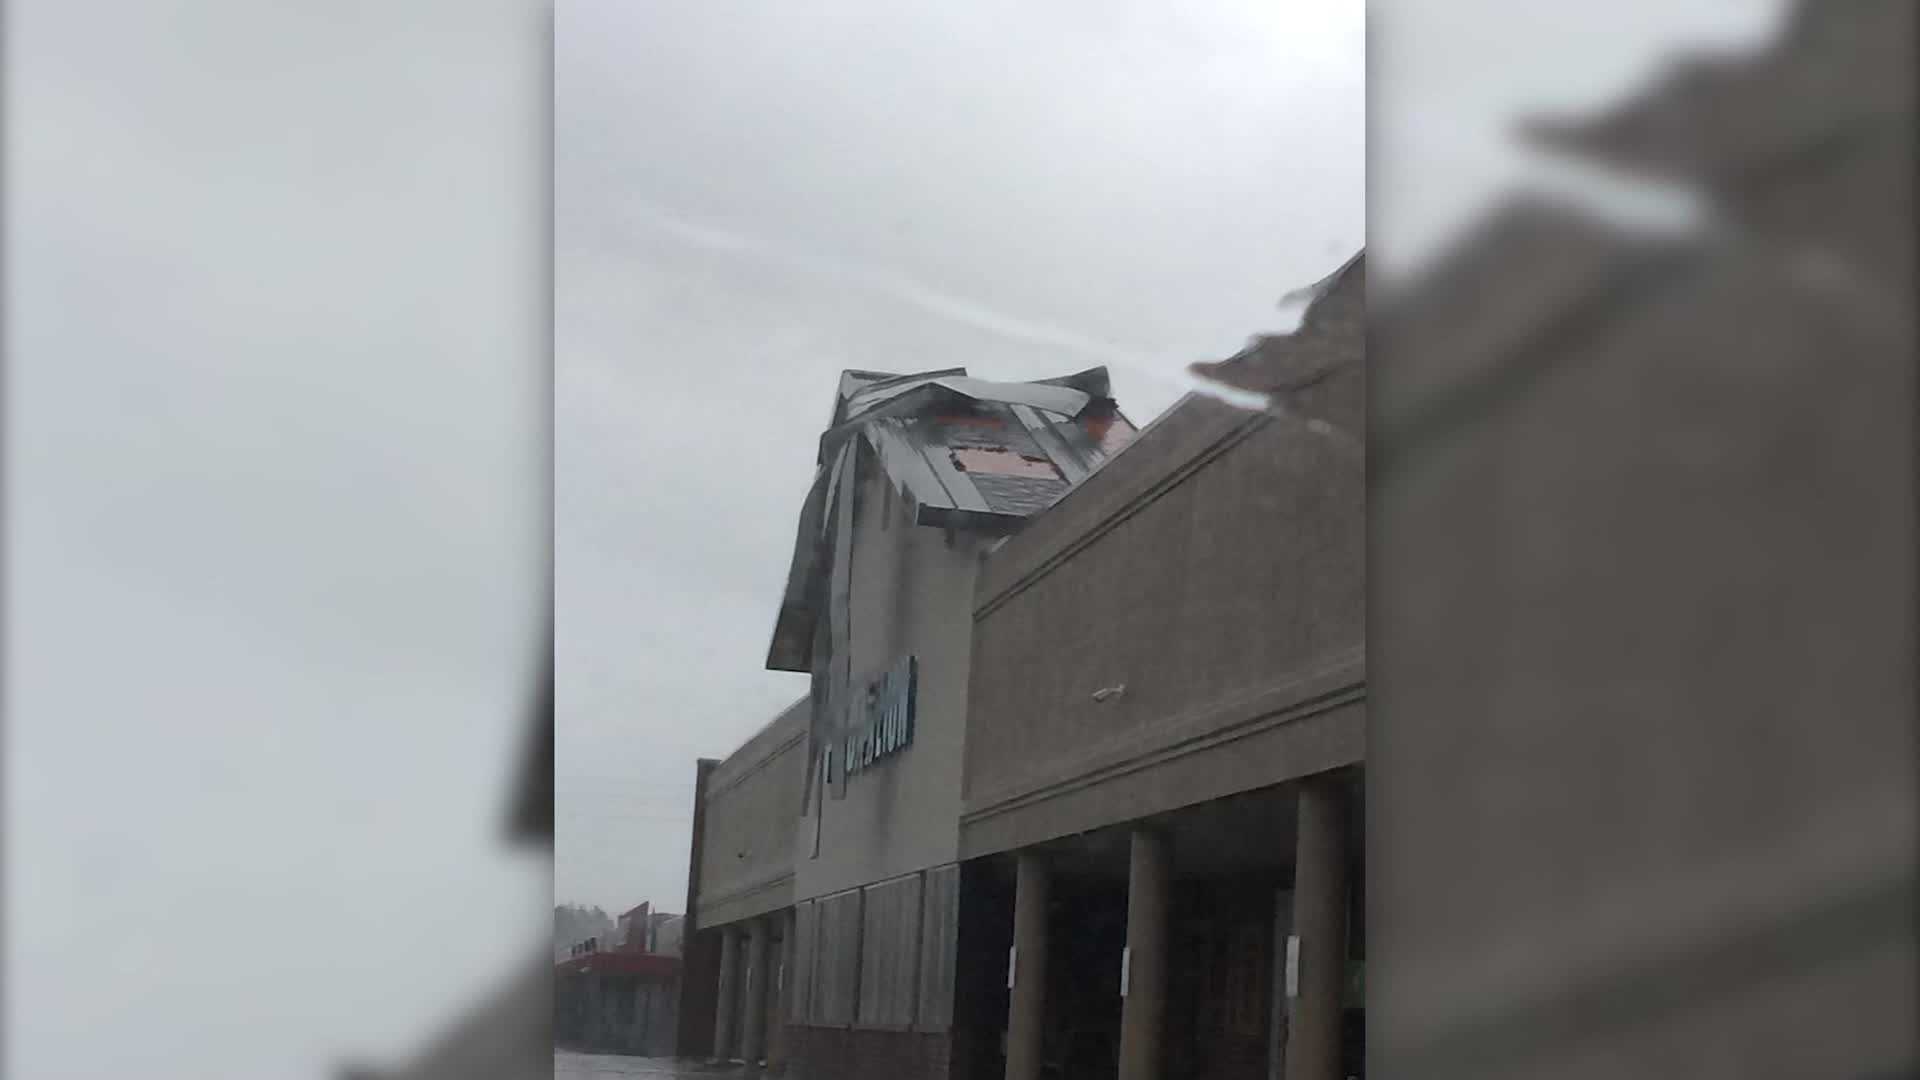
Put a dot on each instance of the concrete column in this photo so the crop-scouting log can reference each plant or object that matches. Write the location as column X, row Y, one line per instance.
column 1027, row 972
column 1320, row 925
column 1144, row 980
column 753, row 1027
column 782, row 996
column 726, row 1012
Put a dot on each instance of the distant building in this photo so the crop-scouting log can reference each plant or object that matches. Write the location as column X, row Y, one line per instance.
column 668, row 933
column 616, row 1002
column 621, row 995
column 643, row 929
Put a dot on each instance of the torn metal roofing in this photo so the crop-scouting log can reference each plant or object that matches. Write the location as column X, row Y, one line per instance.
column 1332, row 331
column 962, row 452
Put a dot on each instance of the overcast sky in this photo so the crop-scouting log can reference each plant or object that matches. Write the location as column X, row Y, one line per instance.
column 273, row 530
column 750, row 198
column 1449, row 79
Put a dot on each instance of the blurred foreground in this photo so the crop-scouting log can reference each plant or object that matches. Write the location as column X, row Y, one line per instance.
column 1642, row 540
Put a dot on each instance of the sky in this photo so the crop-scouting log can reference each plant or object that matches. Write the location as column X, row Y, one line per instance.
column 274, row 527
column 750, row 198
column 1449, row 80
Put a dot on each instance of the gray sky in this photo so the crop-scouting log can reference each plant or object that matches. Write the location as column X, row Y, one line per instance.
column 273, row 534
column 1449, row 79
column 750, row 198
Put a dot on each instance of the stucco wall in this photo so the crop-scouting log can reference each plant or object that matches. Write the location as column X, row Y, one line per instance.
column 1646, row 793
column 751, row 801
column 1215, row 571
column 912, row 590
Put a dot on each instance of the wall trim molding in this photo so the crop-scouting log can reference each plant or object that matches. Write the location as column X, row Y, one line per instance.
column 747, row 772
column 740, row 893
column 1340, row 682
column 1220, row 434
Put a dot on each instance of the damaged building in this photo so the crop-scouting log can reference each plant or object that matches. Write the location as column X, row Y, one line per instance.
column 1075, row 790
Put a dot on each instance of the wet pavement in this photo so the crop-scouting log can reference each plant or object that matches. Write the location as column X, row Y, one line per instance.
column 571, row 1066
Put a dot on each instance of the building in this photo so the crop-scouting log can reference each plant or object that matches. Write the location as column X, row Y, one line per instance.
column 1644, row 523
column 1069, row 709
column 620, row 996
column 643, row 929
column 916, row 476
column 616, row 1002
column 1166, row 738
column 668, row 932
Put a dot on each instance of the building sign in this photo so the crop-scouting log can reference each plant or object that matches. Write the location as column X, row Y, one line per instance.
column 884, row 720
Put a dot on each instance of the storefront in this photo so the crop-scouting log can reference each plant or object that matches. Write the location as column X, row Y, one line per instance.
column 616, row 1002
column 1074, row 792
column 1165, row 744
column 826, row 886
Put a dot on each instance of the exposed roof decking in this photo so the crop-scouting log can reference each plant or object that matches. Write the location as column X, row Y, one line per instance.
column 964, row 453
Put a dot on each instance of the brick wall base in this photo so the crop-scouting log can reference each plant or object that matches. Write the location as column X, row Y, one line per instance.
column 842, row 1054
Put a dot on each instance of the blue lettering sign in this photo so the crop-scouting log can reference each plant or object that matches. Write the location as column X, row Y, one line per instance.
column 885, row 722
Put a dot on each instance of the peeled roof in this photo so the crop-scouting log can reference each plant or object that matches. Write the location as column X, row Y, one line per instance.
column 964, row 453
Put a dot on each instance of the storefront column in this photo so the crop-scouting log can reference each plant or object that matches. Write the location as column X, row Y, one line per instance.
column 1027, row 969
column 753, row 1026
column 1320, row 925
column 782, row 996
column 727, row 1010
column 1143, row 980
column 1277, row 1009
